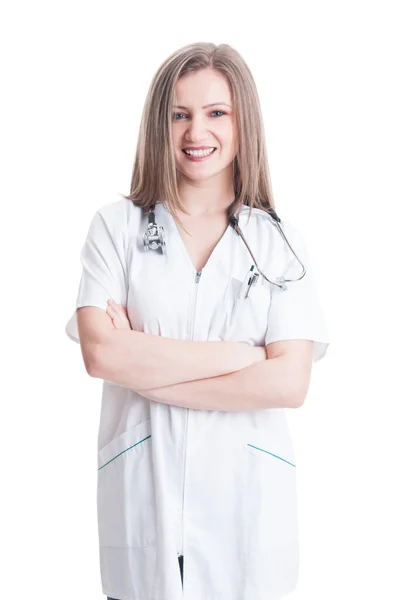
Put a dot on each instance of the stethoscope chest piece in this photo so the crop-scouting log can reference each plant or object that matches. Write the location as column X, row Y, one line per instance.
column 154, row 237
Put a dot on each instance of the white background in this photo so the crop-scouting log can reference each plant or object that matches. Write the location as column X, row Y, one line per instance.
column 74, row 80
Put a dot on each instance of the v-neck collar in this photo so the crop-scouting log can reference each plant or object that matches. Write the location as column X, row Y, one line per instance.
column 174, row 229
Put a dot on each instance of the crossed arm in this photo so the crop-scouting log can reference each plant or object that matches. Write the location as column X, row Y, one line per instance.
column 223, row 376
column 261, row 385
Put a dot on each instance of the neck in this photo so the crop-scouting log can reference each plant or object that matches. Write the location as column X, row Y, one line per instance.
column 206, row 198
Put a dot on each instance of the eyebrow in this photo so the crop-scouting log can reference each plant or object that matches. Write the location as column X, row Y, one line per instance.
column 205, row 106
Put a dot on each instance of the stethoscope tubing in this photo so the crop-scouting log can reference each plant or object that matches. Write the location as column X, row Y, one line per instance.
column 280, row 283
column 154, row 238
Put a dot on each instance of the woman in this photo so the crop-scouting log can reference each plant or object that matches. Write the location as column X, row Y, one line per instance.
column 196, row 468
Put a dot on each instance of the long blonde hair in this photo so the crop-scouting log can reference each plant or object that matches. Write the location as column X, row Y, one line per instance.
column 155, row 176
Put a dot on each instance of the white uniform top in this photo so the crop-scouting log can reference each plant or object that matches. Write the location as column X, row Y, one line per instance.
column 218, row 487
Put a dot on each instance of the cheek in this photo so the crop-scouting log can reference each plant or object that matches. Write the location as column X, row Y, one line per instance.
column 174, row 138
column 230, row 147
column 228, row 136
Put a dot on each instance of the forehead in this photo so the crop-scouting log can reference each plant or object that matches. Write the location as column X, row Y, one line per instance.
column 202, row 87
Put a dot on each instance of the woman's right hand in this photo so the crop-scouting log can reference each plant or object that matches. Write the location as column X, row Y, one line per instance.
column 118, row 315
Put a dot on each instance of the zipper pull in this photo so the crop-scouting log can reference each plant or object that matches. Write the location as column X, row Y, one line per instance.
column 198, row 274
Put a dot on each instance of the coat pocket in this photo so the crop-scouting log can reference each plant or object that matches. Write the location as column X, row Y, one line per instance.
column 125, row 490
column 270, row 508
column 245, row 319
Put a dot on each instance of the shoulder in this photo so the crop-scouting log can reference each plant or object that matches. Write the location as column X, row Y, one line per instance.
column 263, row 218
column 119, row 213
column 270, row 236
column 257, row 219
column 115, row 222
column 262, row 225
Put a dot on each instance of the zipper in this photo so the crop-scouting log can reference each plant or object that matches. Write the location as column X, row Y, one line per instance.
column 192, row 335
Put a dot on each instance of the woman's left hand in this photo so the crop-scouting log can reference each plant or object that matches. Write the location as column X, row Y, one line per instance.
column 118, row 315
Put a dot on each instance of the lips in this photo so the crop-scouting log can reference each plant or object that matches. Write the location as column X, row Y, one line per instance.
column 199, row 158
column 198, row 149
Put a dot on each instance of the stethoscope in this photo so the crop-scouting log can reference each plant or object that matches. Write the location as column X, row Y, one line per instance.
column 154, row 238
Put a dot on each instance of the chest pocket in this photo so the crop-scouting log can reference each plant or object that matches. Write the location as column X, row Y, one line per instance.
column 245, row 319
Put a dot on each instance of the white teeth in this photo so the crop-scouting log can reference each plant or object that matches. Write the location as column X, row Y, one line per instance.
column 199, row 152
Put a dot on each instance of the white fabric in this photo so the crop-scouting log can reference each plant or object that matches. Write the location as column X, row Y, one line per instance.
column 218, row 487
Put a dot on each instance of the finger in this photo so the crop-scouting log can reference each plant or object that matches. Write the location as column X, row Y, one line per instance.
column 112, row 303
column 115, row 321
column 111, row 316
column 111, row 312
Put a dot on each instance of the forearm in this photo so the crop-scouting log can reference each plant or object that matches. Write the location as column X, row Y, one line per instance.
column 143, row 361
column 262, row 385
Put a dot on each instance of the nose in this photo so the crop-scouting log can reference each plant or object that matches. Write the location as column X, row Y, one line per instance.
column 196, row 130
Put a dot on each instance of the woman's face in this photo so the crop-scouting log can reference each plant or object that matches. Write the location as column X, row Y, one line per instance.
column 196, row 125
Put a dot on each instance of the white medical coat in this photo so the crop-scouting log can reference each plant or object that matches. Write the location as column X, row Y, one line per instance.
column 217, row 487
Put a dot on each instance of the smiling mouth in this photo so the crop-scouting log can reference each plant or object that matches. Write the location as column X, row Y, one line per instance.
column 199, row 153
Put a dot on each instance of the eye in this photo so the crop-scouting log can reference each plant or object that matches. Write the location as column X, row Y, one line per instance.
column 175, row 115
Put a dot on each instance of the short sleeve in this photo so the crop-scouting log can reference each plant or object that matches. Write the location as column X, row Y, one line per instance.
column 103, row 260
column 296, row 313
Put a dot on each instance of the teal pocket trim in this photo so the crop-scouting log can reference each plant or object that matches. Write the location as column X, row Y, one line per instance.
column 123, row 451
column 286, row 461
